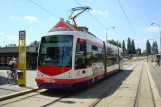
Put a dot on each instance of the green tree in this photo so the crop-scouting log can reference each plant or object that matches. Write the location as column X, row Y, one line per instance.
column 128, row 46
column 155, row 48
column 156, row 45
column 133, row 51
column 119, row 44
column 123, row 48
column 139, row 51
column 116, row 43
column 148, row 48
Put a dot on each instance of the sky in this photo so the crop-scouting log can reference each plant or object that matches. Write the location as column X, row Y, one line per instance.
column 19, row 15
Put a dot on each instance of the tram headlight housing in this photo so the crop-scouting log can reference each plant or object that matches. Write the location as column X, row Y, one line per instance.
column 39, row 74
column 68, row 76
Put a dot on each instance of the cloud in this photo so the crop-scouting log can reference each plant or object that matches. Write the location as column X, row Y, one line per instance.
column 102, row 13
column 110, row 38
column 12, row 39
column 31, row 18
column 14, row 17
column 152, row 29
column 104, row 38
column 1, row 33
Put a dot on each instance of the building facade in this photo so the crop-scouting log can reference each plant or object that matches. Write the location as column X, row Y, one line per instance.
column 8, row 53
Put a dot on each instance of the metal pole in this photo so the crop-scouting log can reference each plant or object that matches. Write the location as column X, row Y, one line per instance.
column 106, row 32
column 106, row 35
column 160, row 38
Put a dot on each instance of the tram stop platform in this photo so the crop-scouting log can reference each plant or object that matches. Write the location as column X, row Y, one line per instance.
column 8, row 90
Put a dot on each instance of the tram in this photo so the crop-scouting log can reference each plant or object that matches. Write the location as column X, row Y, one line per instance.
column 74, row 59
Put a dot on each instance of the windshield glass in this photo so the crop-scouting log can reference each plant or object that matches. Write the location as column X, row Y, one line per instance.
column 56, row 50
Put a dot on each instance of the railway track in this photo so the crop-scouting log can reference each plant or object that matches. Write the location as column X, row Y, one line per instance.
column 128, row 65
column 136, row 103
column 109, row 90
column 39, row 92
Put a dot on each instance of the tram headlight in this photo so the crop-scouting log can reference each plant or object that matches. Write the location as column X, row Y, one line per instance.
column 66, row 76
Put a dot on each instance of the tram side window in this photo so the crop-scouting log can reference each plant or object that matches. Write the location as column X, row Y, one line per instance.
column 100, row 55
column 111, row 57
column 94, row 54
column 80, row 55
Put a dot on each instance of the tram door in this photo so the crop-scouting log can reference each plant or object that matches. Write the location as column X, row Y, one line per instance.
column 80, row 59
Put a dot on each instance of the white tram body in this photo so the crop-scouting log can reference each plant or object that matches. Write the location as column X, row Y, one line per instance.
column 74, row 59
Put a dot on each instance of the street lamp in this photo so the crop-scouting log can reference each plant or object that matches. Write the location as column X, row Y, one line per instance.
column 107, row 30
column 160, row 32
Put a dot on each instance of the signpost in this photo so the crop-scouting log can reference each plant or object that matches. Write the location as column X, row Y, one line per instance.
column 22, row 58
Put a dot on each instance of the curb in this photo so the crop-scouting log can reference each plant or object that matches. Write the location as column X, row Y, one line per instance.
column 154, row 89
column 16, row 94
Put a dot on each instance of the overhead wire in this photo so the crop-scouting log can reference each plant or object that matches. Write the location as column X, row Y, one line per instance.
column 43, row 8
column 92, row 15
column 127, row 17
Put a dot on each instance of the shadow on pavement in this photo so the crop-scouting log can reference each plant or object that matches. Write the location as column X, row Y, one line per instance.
column 94, row 91
column 3, row 80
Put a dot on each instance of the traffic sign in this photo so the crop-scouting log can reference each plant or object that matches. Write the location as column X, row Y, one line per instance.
column 21, row 34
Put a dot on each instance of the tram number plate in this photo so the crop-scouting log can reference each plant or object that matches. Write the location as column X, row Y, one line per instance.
column 49, row 81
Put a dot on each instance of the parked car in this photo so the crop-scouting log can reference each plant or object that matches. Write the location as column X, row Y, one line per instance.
column 128, row 57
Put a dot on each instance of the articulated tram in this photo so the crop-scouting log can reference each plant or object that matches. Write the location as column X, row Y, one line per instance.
column 74, row 59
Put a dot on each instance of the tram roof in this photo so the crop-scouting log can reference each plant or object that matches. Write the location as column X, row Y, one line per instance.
column 66, row 31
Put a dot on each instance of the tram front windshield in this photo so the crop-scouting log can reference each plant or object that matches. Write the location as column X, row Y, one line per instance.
column 56, row 50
